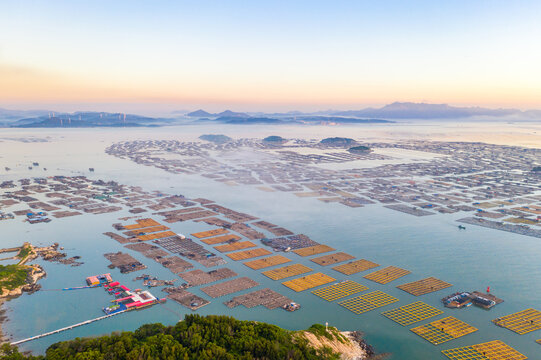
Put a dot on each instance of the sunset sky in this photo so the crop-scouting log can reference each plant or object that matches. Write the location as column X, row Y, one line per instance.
column 268, row 55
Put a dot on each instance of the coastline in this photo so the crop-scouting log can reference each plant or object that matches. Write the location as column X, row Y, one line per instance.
column 34, row 273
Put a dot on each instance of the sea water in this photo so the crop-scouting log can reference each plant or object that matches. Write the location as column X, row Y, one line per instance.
column 429, row 246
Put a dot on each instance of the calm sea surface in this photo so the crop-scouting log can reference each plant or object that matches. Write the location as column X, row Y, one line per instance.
column 433, row 246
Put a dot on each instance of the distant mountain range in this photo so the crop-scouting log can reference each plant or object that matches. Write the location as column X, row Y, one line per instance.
column 386, row 114
column 228, row 113
column 84, row 119
column 394, row 111
column 408, row 110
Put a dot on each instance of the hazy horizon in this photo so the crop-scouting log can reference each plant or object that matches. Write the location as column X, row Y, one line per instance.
column 268, row 56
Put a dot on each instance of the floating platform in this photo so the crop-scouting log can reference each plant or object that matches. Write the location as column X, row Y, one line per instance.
column 355, row 267
column 493, row 350
column 332, row 259
column 424, row 286
column 147, row 230
column 313, row 250
column 464, row 299
column 522, row 322
column 340, row 290
column 221, row 239
column 209, row 233
column 155, row 236
column 229, row 287
column 386, row 275
column 142, row 223
column 248, row 254
column 239, row 245
column 266, row 297
column 412, row 313
column 267, row 262
column 124, row 262
column 199, row 277
column 287, row 271
column 175, row 264
column 443, row 330
column 121, row 239
column 477, row 295
column 368, row 302
column 308, row 282
column 186, row 298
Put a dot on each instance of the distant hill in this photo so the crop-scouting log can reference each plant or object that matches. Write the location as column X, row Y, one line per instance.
column 85, row 119
column 218, row 139
column 275, row 139
column 248, row 120
column 409, row 110
column 227, row 113
column 361, row 149
column 199, row 113
column 338, row 141
column 10, row 116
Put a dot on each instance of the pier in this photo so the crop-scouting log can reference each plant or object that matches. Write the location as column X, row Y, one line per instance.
column 65, row 328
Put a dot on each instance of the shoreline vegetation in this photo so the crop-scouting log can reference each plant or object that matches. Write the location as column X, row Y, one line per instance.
column 21, row 277
column 208, row 338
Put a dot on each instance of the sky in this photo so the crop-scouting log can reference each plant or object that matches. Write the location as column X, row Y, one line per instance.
column 268, row 55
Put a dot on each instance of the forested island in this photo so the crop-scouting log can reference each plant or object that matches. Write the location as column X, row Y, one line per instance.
column 207, row 338
column 361, row 149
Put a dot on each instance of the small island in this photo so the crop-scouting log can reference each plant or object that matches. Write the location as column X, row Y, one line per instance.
column 16, row 278
column 217, row 139
column 274, row 139
column 338, row 141
column 360, row 149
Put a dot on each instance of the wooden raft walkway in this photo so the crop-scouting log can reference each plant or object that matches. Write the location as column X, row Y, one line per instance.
column 66, row 328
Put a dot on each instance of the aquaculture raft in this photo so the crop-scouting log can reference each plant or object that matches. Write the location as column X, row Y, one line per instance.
column 424, row 286
column 340, row 290
column 287, row 271
column 332, row 258
column 266, row 297
column 443, row 330
column 355, row 267
column 248, row 254
column 386, row 275
column 493, row 350
column 368, row 302
column 221, row 239
column 239, row 245
column 209, row 233
column 229, row 287
column 155, row 236
column 267, row 262
column 142, row 223
column 308, row 282
column 412, row 313
column 313, row 250
column 522, row 322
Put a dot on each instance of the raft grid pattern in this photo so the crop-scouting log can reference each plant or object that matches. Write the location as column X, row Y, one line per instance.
column 340, row 290
column 493, row 350
column 367, row 302
column 440, row 331
column 412, row 313
column 386, row 275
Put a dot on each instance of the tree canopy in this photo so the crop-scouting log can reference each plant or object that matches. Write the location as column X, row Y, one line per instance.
column 196, row 337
